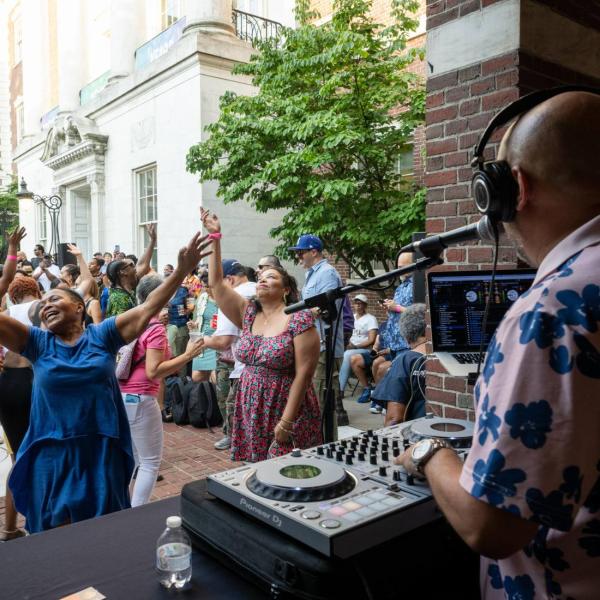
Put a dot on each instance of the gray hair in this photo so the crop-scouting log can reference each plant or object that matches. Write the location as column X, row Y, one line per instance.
column 412, row 323
column 146, row 285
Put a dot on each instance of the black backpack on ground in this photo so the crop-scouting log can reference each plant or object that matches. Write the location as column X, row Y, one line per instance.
column 177, row 393
column 203, row 408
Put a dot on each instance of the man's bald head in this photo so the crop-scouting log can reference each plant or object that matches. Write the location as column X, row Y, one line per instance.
column 558, row 144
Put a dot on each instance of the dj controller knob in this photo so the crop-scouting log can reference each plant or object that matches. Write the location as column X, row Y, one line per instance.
column 375, row 437
column 370, row 432
column 339, row 455
column 406, row 444
column 396, row 451
column 296, row 453
column 384, row 444
column 373, row 450
column 410, row 479
column 396, row 475
column 373, row 459
column 382, row 472
column 361, row 456
column 332, row 445
column 348, row 460
column 329, row 453
column 394, row 443
column 384, row 455
column 343, row 443
column 320, row 450
column 350, row 452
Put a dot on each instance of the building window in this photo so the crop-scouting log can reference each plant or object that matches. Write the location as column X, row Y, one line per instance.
column 170, row 11
column 19, row 121
column 17, row 41
column 147, row 202
column 405, row 163
column 254, row 7
column 42, row 224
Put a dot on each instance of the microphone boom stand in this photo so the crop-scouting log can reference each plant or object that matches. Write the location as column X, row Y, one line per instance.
column 326, row 303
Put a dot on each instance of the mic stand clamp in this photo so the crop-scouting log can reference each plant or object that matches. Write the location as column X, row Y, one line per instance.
column 326, row 303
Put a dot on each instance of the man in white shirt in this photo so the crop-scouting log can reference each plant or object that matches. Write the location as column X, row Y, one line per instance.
column 224, row 339
column 46, row 272
column 362, row 339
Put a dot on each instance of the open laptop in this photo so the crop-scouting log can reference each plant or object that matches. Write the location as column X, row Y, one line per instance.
column 457, row 302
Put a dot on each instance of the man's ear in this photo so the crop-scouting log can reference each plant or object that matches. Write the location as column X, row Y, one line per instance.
column 525, row 187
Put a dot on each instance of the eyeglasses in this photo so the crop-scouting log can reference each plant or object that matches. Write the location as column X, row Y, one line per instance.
column 301, row 252
column 262, row 266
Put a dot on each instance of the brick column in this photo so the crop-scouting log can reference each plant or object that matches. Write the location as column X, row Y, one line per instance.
column 482, row 55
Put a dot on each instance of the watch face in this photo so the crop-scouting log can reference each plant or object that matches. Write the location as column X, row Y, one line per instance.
column 421, row 449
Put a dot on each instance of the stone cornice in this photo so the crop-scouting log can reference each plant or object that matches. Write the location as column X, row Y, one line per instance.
column 93, row 144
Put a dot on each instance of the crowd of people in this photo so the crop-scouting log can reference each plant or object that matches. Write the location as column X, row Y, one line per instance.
column 87, row 348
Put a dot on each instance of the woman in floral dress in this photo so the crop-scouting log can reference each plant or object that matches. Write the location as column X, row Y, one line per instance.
column 276, row 408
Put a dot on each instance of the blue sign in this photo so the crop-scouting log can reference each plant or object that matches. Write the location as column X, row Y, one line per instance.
column 159, row 44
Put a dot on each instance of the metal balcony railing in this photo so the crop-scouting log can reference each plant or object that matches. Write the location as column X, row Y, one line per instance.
column 251, row 28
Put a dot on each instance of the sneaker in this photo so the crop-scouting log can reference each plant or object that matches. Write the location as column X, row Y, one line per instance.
column 223, row 443
column 365, row 396
column 375, row 409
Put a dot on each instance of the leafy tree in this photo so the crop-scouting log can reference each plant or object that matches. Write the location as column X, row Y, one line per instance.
column 9, row 215
column 335, row 108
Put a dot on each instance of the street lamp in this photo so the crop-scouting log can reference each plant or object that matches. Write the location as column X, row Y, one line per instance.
column 53, row 204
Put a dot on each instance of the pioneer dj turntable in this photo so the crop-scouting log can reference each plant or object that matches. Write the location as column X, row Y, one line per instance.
column 342, row 497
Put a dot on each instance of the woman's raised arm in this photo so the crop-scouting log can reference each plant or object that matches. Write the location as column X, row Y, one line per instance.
column 230, row 302
column 131, row 323
column 10, row 266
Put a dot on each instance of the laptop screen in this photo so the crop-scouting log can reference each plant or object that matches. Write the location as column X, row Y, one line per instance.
column 457, row 302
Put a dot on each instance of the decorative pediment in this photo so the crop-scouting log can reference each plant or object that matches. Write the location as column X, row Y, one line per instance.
column 70, row 139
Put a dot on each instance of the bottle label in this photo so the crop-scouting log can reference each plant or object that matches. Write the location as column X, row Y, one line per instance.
column 173, row 557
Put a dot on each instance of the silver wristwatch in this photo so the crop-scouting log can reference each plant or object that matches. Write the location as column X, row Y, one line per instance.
column 423, row 450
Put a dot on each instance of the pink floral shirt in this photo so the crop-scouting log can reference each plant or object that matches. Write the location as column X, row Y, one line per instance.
column 536, row 450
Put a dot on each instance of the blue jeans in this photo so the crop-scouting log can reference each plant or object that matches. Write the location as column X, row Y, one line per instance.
column 345, row 368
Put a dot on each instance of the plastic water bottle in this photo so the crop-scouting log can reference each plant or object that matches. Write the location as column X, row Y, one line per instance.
column 174, row 555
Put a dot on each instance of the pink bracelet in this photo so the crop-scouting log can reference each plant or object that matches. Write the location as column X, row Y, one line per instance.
column 398, row 308
column 217, row 235
column 11, row 257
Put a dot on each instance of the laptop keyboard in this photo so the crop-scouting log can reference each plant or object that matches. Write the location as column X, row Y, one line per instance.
column 467, row 358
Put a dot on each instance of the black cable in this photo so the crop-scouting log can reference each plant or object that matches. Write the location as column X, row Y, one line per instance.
column 489, row 300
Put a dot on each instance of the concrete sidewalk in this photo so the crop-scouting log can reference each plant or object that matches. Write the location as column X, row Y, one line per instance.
column 189, row 453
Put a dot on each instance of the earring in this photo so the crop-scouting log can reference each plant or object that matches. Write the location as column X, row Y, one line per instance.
column 285, row 297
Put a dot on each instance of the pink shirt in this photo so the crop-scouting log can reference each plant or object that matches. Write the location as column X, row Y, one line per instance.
column 153, row 338
column 536, row 449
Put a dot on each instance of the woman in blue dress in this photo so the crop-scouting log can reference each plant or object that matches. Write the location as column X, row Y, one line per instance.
column 76, row 461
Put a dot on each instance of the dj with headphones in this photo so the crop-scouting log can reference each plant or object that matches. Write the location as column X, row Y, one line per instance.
column 528, row 496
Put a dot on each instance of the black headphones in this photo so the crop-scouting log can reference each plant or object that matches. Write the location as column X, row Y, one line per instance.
column 493, row 187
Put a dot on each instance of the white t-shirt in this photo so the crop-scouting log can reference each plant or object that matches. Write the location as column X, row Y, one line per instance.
column 226, row 327
column 362, row 326
column 43, row 279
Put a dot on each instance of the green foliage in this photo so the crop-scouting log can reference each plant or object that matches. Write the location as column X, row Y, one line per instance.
column 9, row 215
column 335, row 109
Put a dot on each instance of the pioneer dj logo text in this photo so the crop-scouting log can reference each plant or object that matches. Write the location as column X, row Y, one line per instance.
column 259, row 512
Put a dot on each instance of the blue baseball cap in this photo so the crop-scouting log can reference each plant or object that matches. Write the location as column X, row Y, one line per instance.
column 229, row 266
column 308, row 242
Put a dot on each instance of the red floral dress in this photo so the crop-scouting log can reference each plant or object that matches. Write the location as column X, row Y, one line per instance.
column 263, row 392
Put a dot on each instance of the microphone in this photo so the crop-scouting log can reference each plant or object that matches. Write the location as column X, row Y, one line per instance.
column 484, row 229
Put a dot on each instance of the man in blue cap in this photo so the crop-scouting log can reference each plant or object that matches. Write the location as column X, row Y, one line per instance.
column 320, row 277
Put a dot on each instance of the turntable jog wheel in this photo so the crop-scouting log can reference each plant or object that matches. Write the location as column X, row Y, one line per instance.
column 300, row 480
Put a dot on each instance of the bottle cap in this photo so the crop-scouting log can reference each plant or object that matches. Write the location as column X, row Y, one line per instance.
column 173, row 522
